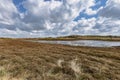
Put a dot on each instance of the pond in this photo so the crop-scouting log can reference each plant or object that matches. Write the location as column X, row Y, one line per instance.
column 93, row 43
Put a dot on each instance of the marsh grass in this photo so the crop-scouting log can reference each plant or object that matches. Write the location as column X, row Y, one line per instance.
column 22, row 60
column 4, row 75
column 79, row 37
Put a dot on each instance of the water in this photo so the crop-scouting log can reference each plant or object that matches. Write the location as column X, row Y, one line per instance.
column 93, row 43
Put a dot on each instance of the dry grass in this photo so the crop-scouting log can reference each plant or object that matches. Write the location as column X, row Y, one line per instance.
column 79, row 37
column 22, row 60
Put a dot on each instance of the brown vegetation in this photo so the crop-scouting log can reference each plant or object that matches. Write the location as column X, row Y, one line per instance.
column 22, row 60
column 78, row 37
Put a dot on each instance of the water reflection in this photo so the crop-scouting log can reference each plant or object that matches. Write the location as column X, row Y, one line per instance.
column 93, row 43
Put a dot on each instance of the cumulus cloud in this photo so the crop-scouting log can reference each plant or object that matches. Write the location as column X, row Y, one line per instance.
column 109, row 18
column 10, row 16
column 89, row 11
column 7, row 12
column 56, row 18
column 111, row 10
column 85, row 26
column 40, row 14
column 107, row 26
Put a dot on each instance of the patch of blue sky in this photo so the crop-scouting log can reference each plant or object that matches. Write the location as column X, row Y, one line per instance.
column 18, row 4
column 99, row 3
column 83, row 15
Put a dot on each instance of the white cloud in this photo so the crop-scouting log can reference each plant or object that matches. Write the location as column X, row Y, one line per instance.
column 85, row 26
column 100, row 26
column 109, row 20
column 55, row 18
column 108, row 26
column 89, row 11
column 7, row 12
column 40, row 12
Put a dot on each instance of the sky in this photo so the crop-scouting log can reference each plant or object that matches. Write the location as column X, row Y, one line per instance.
column 51, row 18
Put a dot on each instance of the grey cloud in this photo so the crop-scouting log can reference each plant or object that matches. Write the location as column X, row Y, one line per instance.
column 55, row 18
column 111, row 10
